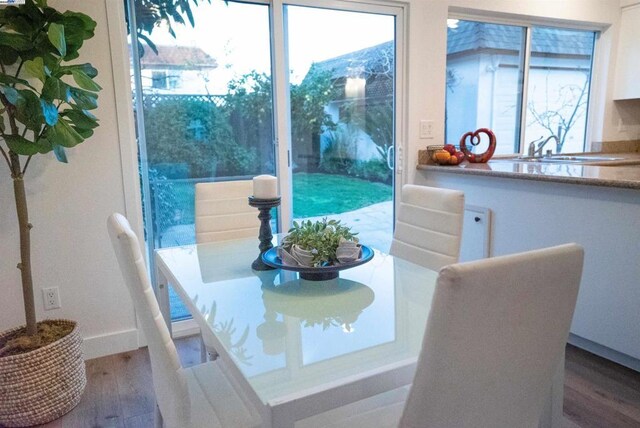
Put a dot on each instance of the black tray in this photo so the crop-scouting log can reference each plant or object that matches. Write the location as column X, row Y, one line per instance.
column 323, row 273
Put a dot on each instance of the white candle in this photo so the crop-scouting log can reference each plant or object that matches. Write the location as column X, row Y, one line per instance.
column 265, row 187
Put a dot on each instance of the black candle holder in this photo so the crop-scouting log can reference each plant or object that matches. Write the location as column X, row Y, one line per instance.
column 265, row 236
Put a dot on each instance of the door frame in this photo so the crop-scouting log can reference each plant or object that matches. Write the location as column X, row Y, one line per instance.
column 280, row 82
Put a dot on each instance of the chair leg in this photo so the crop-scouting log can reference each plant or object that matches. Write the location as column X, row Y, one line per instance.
column 157, row 418
column 207, row 354
column 203, row 351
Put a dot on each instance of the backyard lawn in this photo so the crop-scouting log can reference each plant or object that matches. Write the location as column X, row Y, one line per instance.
column 313, row 195
column 322, row 194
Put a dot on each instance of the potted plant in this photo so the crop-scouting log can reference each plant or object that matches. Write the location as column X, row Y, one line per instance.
column 44, row 107
column 319, row 243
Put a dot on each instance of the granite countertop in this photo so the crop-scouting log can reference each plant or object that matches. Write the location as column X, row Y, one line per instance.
column 623, row 174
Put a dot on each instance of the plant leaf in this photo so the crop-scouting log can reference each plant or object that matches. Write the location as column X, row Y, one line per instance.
column 63, row 135
column 60, row 154
column 28, row 110
column 84, row 81
column 8, row 55
column 56, row 37
column 11, row 94
column 87, row 68
column 35, row 68
column 81, row 119
column 84, row 99
column 15, row 41
column 50, row 112
column 21, row 145
column 10, row 80
column 84, row 133
column 55, row 89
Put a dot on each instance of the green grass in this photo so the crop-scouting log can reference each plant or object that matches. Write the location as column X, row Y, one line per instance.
column 323, row 194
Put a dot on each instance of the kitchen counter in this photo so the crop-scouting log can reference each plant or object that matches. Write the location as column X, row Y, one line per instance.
column 622, row 174
column 536, row 205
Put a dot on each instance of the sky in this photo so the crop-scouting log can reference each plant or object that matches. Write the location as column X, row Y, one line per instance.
column 237, row 36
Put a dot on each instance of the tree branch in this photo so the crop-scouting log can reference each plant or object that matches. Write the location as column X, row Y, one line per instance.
column 4, row 154
column 26, row 164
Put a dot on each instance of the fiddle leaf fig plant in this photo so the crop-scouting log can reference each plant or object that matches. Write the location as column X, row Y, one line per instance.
column 45, row 102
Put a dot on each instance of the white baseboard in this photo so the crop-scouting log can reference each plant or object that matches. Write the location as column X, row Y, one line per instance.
column 184, row 328
column 604, row 352
column 110, row 343
column 129, row 340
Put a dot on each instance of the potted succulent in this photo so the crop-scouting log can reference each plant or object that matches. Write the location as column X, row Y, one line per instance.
column 320, row 243
column 44, row 107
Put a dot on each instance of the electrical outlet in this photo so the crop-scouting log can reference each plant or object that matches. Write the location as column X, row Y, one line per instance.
column 51, row 298
column 426, row 129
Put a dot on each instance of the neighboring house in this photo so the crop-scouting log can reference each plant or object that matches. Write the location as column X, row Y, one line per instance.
column 365, row 80
column 176, row 70
column 483, row 80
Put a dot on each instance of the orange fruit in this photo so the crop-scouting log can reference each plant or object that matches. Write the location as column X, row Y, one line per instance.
column 442, row 156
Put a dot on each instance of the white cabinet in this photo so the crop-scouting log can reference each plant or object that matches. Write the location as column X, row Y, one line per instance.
column 530, row 214
column 627, row 85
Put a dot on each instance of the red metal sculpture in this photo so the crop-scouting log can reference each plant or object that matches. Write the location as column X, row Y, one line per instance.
column 474, row 140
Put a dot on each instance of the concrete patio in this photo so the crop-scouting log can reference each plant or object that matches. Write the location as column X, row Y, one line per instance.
column 374, row 225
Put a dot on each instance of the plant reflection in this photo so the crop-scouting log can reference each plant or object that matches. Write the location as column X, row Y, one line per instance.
column 335, row 303
column 226, row 331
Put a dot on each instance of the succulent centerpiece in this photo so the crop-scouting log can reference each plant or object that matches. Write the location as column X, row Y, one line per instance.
column 318, row 244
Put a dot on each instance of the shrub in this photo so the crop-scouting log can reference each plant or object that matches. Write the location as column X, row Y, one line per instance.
column 195, row 132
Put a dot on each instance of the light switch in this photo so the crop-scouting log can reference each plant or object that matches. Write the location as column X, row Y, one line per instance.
column 426, row 129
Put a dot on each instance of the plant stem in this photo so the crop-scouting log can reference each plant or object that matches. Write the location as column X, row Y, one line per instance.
column 25, row 244
column 23, row 225
column 4, row 155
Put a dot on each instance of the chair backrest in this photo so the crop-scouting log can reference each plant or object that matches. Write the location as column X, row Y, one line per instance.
column 223, row 212
column 170, row 386
column 496, row 331
column 428, row 226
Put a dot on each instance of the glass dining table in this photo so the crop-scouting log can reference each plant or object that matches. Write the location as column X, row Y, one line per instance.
column 298, row 348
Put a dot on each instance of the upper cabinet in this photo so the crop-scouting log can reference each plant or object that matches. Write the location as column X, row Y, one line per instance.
column 627, row 82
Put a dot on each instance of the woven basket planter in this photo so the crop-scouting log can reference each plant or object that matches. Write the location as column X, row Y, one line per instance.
column 42, row 385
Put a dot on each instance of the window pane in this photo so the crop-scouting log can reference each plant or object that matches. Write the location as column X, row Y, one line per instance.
column 484, row 81
column 207, row 105
column 558, row 95
column 342, row 74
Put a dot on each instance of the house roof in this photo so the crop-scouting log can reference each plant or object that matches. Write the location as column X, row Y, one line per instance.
column 472, row 35
column 185, row 57
column 378, row 59
column 469, row 36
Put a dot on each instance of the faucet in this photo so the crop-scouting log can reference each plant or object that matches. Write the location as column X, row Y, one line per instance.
column 532, row 146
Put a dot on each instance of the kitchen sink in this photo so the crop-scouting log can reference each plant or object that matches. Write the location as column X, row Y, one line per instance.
column 564, row 159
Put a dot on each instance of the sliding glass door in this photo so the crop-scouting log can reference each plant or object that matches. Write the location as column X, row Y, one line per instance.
column 203, row 103
column 341, row 68
column 229, row 90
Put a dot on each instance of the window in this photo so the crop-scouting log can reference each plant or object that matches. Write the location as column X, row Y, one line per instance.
column 324, row 120
column 159, row 80
column 488, row 67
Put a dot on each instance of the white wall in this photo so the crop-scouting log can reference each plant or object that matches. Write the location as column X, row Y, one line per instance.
column 70, row 203
column 427, row 58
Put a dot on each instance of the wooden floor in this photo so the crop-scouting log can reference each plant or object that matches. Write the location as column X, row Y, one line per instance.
column 119, row 392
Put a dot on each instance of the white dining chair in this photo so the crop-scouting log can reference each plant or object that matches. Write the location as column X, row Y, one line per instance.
column 194, row 397
column 495, row 336
column 223, row 212
column 428, row 226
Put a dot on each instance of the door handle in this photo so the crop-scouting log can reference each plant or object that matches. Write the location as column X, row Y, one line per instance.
column 390, row 157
